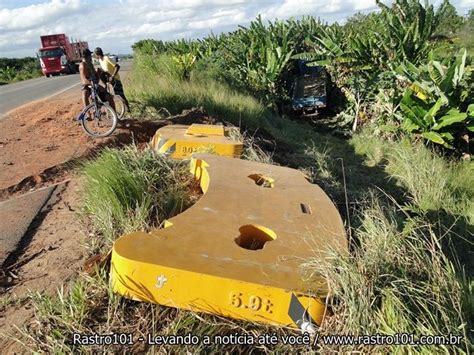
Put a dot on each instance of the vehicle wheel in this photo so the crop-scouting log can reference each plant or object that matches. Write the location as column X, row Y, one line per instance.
column 72, row 68
column 48, row 75
column 99, row 121
column 120, row 107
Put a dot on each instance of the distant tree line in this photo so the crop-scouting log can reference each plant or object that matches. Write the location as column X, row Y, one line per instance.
column 17, row 69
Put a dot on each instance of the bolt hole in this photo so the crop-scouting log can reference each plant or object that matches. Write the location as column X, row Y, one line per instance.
column 306, row 208
column 253, row 237
column 261, row 180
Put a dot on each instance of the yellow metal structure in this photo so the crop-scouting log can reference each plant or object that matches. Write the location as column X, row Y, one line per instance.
column 180, row 141
column 238, row 251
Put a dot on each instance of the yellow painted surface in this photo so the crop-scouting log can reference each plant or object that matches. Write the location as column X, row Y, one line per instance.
column 180, row 141
column 238, row 251
column 419, row 92
column 205, row 129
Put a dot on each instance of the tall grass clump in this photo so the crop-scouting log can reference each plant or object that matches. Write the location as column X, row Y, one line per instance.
column 251, row 150
column 433, row 182
column 88, row 307
column 130, row 189
column 431, row 187
column 156, row 85
column 396, row 280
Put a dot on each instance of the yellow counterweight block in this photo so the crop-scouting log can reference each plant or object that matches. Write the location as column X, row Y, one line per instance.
column 238, row 251
column 181, row 141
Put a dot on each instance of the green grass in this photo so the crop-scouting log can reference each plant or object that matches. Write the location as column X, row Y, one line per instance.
column 90, row 307
column 154, row 86
column 131, row 189
column 431, row 181
column 411, row 266
column 396, row 280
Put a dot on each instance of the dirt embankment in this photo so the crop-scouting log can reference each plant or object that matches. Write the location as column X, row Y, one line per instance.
column 38, row 136
column 53, row 255
column 41, row 141
column 41, row 144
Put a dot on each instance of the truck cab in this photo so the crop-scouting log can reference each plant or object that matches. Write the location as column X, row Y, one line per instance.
column 53, row 61
column 59, row 55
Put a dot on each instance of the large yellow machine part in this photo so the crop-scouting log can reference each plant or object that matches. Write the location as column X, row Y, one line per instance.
column 238, row 251
column 180, row 141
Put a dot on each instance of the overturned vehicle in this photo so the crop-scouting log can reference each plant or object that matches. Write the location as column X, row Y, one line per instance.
column 308, row 94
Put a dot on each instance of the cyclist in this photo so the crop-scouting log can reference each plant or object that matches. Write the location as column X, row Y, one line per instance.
column 88, row 76
column 109, row 66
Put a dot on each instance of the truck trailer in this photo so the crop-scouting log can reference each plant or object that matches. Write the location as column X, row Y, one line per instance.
column 59, row 55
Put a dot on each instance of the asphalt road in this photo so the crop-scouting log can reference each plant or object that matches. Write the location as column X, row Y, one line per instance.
column 23, row 92
column 17, row 214
column 20, row 213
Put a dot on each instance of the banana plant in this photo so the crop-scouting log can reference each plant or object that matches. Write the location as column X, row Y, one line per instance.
column 433, row 121
column 257, row 56
column 150, row 47
column 184, row 64
column 438, row 104
column 409, row 27
column 8, row 73
column 400, row 33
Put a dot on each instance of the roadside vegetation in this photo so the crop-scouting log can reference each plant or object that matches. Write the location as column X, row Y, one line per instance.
column 130, row 189
column 408, row 108
column 381, row 66
column 18, row 69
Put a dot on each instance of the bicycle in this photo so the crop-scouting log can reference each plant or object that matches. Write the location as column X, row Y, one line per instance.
column 120, row 105
column 99, row 113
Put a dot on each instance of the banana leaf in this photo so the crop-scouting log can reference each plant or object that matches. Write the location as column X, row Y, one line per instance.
column 453, row 116
column 436, row 138
column 431, row 114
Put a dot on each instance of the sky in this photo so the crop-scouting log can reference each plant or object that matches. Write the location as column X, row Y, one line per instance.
column 116, row 25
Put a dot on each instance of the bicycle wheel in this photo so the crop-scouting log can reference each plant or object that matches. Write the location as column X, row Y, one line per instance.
column 99, row 120
column 120, row 107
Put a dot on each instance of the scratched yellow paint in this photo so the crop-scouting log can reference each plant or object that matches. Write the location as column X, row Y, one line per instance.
column 180, row 142
column 238, row 251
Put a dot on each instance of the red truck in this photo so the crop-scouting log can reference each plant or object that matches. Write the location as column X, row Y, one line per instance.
column 58, row 55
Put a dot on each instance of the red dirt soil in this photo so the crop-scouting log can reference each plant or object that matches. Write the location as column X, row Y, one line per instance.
column 39, row 139
column 51, row 260
column 39, row 144
column 40, row 135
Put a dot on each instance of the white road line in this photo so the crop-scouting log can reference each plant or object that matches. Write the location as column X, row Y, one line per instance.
column 57, row 93
column 41, row 98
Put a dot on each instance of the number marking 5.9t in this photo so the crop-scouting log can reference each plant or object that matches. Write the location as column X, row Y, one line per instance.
column 251, row 302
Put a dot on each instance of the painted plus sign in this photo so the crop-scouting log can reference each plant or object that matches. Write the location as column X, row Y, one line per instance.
column 160, row 281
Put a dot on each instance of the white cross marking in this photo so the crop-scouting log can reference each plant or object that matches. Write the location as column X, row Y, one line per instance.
column 160, row 281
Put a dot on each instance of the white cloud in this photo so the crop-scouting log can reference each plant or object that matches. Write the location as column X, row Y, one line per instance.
column 362, row 5
column 466, row 5
column 36, row 15
column 290, row 8
column 161, row 15
column 115, row 25
column 220, row 18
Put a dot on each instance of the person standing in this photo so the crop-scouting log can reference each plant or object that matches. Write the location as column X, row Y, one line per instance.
column 109, row 66
column 89, row 76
